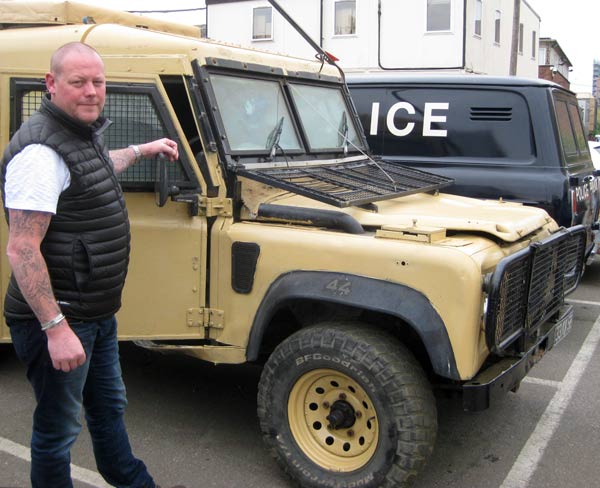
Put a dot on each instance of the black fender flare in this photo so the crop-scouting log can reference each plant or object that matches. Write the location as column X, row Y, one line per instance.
column 359, row 291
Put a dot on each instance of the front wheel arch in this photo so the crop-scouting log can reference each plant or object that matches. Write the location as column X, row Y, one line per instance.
column 359, row 292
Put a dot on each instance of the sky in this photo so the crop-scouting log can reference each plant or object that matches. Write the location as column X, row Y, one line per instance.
column 570, row 22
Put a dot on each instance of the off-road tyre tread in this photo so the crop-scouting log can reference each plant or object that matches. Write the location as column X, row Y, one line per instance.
column 397, row 371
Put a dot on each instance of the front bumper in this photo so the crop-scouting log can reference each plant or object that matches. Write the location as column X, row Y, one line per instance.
column 507, row 373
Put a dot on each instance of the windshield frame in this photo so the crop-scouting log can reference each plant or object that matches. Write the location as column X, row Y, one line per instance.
column 236, row 157
column 222, row 125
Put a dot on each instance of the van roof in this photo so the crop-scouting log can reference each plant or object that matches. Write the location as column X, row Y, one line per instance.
column 25, row 13
column 445, row 79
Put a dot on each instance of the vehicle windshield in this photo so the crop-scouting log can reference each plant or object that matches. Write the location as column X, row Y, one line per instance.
column 325, row 118
column 253, row 111
column 257, row 117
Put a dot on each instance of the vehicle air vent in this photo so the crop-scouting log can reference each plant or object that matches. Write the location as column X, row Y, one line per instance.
column 500, row 114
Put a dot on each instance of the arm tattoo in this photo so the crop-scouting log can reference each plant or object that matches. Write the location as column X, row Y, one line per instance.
column 122, row 159
column 26, row 232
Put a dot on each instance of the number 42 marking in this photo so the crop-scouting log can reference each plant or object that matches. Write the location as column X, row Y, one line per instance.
column 340, row 287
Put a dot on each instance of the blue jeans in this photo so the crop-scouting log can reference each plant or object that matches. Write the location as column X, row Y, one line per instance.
column 98, row 386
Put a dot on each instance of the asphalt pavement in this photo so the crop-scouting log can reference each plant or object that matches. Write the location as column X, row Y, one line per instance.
column 195, row 424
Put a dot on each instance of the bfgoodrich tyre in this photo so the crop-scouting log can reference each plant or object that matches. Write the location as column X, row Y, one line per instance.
column 343, row 405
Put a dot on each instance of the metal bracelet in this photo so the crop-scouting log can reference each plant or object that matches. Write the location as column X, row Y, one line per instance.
column 53, row 323
column 136, row 150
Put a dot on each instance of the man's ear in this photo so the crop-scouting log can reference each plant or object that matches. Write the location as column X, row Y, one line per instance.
column 50, row 83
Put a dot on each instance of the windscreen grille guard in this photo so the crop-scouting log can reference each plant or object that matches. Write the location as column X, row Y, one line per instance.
column 351, row 183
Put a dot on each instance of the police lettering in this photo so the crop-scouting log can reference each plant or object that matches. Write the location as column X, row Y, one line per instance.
column 428, row 119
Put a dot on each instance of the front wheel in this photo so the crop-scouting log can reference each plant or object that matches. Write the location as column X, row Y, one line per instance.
column 344, row 405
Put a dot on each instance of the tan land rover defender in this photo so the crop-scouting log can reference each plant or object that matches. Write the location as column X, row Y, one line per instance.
column 277, row 238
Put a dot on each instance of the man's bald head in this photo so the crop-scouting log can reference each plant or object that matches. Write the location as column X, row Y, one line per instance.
column 59, row 56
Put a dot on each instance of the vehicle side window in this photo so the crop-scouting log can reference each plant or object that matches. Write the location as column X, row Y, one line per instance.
column 571, row 132
column 578, row 128
column 135, row 120
column 565, row 130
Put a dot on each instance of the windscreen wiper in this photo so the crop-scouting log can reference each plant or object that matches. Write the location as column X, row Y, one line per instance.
column 273, row 139
column 344, row 132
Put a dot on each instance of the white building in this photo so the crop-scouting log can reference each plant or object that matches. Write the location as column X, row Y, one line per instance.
column 471, row 36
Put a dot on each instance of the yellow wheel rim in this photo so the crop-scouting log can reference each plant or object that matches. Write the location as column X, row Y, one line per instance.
column 333, row 420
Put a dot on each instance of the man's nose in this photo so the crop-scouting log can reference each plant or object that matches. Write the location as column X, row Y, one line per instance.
column 89, row 88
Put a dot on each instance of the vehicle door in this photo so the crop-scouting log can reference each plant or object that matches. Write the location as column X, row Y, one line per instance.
column 584, row 192
column 167, row 269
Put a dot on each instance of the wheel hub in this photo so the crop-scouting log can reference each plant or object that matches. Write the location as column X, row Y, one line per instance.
column 333, row 420
column 342, row 415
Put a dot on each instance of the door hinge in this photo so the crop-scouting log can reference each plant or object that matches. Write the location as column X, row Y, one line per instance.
column 216, row 207
column 209, row 318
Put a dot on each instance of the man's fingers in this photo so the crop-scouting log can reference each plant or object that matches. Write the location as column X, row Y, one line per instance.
column 69, row 365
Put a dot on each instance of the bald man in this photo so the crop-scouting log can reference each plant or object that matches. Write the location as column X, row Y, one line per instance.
column 68, row 247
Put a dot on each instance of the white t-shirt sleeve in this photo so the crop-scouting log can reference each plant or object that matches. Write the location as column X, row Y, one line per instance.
column 35, row 178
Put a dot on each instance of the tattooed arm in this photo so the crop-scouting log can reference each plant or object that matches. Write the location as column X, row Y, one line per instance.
column 123, row 158
column 26, row 232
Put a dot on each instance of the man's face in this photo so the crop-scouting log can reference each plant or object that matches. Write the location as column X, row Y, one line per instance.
column 79, row 87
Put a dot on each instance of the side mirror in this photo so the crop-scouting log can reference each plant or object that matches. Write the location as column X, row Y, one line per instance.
column 162, row 187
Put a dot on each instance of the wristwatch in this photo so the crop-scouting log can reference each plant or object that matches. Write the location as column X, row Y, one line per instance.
column 136, row 151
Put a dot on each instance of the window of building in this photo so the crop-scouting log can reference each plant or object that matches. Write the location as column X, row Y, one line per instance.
column 439, row 15
column 345, row 18
column 497, row 19
column 521, row 29
column 262, row 23
column 478, row 14
column 533, row 44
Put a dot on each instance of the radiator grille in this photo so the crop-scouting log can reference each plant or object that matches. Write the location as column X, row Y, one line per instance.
column 529, row 287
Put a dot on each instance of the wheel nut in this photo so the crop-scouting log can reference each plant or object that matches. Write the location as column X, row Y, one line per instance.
column 326, row 405
column 358, row 414
column 350, row 433
column 342, row 396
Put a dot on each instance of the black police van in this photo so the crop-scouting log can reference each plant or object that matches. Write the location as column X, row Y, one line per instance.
column 517, row 139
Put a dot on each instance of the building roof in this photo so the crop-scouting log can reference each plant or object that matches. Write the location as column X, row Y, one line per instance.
column 553, row 43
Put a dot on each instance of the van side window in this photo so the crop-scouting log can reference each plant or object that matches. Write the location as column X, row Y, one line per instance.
column 565, row 130
column 571, row 133
column 135, row 117
column 578, row 128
